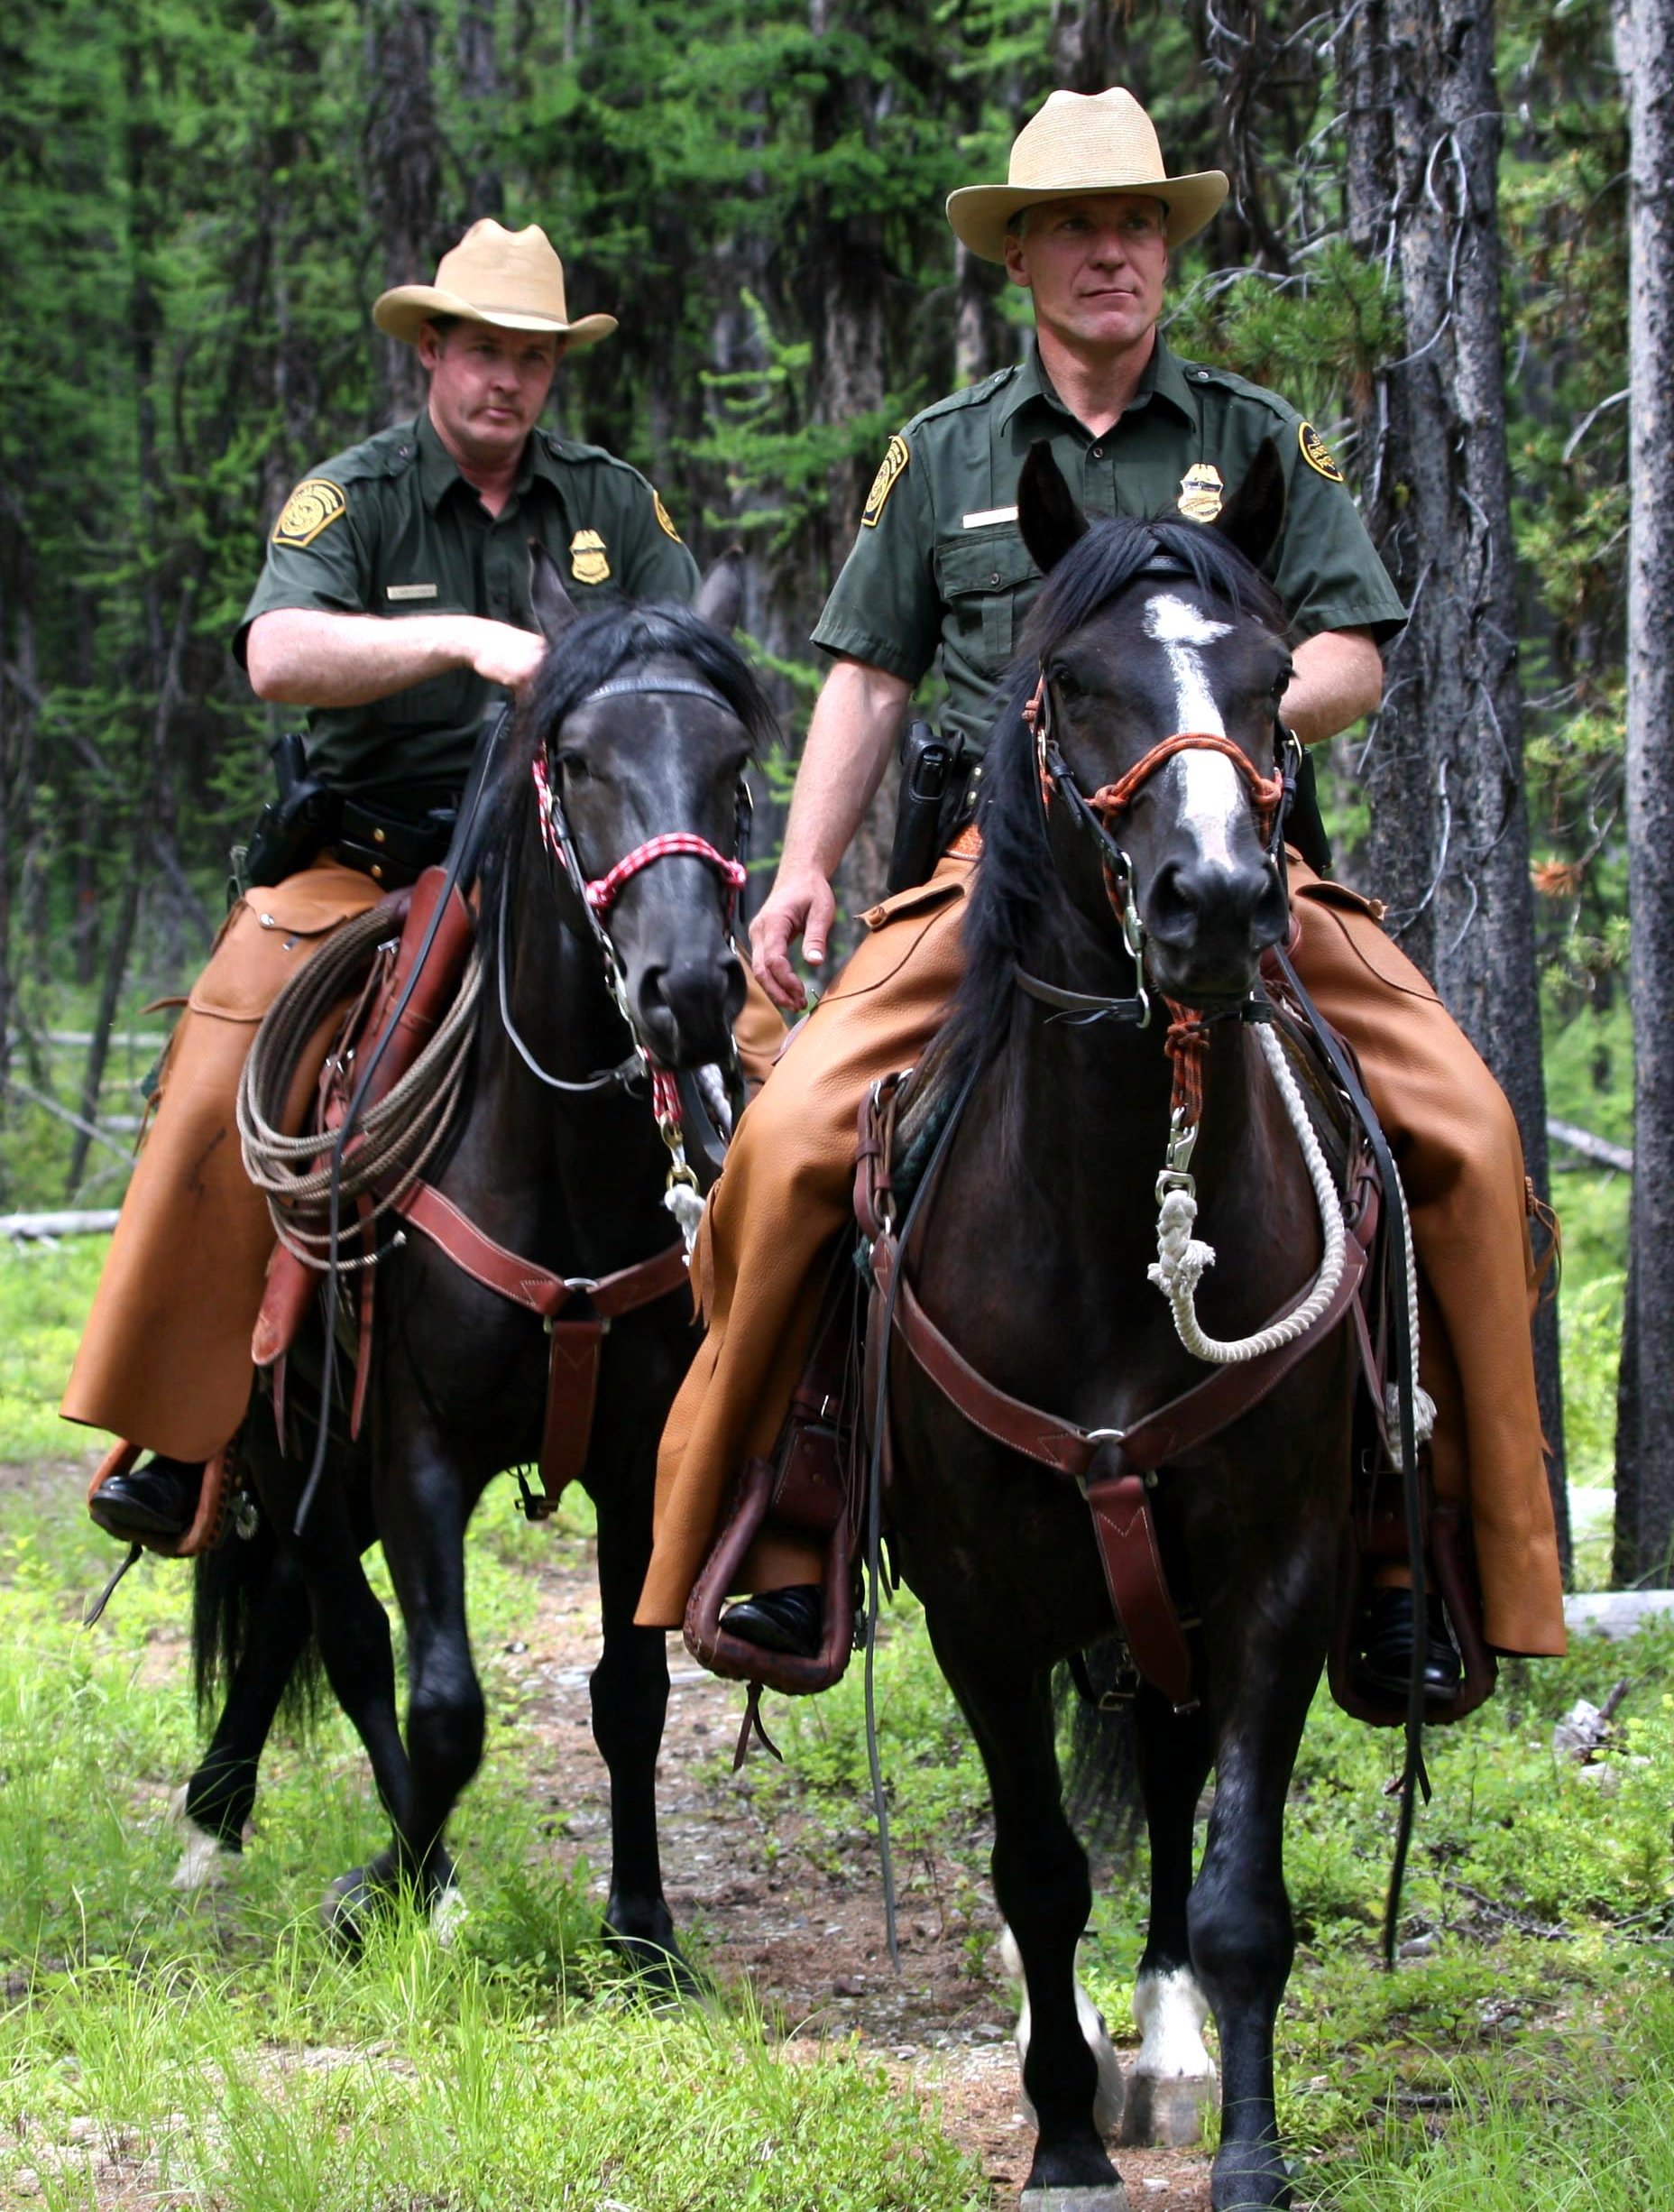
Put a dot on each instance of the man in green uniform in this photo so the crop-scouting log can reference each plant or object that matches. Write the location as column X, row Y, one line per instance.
column 1085, row 224
column 394, row 605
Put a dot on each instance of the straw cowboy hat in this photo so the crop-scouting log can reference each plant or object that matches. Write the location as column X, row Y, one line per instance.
column 512, row 279
column 1101, row 142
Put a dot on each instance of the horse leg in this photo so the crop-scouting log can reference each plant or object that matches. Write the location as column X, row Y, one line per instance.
column 1239, row 1916
column 424, row 1543
column 216, row 1804
column 629, row 1694
column 1041, row 1881
column 1172, row 2079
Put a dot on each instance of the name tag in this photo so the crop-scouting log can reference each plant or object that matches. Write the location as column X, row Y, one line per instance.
column 990, row 514
column 409, row 591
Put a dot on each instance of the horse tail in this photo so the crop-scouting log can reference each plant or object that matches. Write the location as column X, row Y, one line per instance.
column 1102, row 1795
column 230, row 1586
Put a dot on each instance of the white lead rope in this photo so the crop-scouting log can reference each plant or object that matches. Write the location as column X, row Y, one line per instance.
column 1182, row 1257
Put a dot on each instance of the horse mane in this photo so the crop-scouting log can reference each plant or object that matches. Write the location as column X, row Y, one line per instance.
column 1016, row 861
column 593, row 649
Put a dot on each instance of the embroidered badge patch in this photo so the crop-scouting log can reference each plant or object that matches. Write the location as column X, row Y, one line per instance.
column 314, row 506
column 662, row 516
column 1317, row 453
column 1201, row 491
column 892, row 465
column 589, row 563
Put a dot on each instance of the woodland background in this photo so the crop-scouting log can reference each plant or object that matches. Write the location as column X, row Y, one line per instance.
column 1427, row 248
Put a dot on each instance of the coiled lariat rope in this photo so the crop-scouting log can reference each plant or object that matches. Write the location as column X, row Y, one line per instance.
column 1182, row 1257
column 394, row 1139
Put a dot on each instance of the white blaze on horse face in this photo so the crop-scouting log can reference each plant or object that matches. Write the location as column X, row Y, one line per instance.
column 1211, row 797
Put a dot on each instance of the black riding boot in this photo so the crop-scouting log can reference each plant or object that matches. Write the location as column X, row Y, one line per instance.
column 785, row 1620
column 1385, row 1661
column 153, row 1503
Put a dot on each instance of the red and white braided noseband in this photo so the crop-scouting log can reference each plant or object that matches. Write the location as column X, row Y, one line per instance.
column 600, row 893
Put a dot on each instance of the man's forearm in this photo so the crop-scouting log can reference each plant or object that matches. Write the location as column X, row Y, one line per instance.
column 1338, row 678
column 304, row 656
column 843, row 764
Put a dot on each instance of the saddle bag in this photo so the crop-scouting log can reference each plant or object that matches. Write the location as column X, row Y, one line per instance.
column 805, row 1486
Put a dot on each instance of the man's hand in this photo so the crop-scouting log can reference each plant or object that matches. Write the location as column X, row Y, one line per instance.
column 502, row 654
column 855, row 720
column 800, row 905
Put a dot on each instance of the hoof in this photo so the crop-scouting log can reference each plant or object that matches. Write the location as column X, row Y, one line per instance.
column 1103, row 2197
column 448, row 1915
column 348, row 1907
column 661, row 1967
column 1168, row 2114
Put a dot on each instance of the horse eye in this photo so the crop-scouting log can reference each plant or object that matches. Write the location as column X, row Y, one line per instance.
column 573, row 768
column 1064, row 682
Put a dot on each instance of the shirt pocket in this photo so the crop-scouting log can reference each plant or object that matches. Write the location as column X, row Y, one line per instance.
column 987, row 579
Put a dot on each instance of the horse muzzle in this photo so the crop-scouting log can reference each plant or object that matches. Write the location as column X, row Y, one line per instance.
column 684, row 1008
column 1208, row 923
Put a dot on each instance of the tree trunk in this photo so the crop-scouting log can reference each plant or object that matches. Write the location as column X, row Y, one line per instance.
column 402, row 167
column 1645, row 1409
column 1449, row 848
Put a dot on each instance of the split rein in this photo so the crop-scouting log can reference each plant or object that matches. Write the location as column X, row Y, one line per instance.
column 1182, row 1259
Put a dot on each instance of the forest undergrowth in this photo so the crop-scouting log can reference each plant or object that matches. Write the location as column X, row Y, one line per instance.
column 221, row 2055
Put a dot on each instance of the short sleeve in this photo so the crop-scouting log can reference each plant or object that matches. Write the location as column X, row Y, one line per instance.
column 657, row 563
column 1328, row 572
column 317, row 554
column 885, row 608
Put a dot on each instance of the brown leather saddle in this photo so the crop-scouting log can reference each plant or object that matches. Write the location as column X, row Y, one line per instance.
column 812, row 1480
column 577, row 1312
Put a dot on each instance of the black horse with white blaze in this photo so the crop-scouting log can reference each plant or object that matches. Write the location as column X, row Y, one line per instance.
column 1157, row 660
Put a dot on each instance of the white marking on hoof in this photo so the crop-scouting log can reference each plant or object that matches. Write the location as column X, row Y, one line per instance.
column 1174, row 2081
column 1103, row 2197
column 1107, row 2098
column 448, row 1915
column 206, row 1862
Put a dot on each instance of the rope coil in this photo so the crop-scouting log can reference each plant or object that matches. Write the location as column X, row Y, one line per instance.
column 396, row 1138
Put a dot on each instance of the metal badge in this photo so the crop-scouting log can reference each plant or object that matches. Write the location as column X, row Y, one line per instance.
column 589, row 563
column 1201, row 493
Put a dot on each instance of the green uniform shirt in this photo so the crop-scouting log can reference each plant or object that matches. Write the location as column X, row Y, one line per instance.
column 938, row 562
column 391, row 528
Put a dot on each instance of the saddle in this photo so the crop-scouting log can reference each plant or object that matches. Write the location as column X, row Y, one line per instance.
column 577, row 1312
column 813, row 1479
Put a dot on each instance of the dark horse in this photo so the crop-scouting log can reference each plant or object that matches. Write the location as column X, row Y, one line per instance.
column 640, row 724
column 1032, row 1257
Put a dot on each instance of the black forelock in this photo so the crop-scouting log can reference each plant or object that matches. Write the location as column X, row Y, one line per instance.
column 1104, row 561
column 595, row 648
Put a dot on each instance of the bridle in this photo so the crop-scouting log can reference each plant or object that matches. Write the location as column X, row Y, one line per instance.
column 1096, row 814
column 596, row 895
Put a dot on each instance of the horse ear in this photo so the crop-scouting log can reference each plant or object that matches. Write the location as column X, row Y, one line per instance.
column 721, row 595
column 1047, row 514
column 555, row 609
column 1254, row 516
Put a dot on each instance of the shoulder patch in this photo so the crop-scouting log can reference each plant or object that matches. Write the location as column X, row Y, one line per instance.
column 314, row 506
column 892, row 465
column 661, row 514
column 1317, row 453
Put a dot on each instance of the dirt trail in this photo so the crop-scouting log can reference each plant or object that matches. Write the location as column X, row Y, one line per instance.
column 799, row 1922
